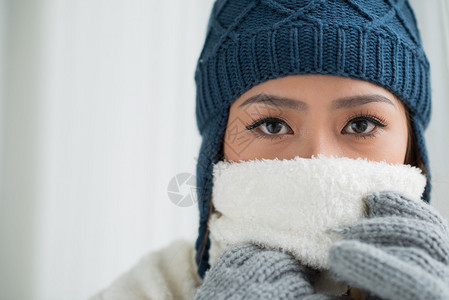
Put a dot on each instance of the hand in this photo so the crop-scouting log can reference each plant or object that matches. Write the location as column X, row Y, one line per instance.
column 401, row 251
column 250, row 272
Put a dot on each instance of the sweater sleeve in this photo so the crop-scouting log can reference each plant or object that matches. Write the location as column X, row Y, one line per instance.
column 168, row 273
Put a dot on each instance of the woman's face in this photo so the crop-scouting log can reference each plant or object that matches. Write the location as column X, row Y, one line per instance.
column 307, row 115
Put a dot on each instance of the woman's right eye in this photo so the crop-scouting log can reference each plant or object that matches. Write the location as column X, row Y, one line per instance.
column 270, row 127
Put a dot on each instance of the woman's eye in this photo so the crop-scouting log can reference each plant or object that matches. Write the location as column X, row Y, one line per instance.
column 271, row 127
column 362, row 126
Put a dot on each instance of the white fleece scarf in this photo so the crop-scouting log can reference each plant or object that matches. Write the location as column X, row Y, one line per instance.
column 288, row 204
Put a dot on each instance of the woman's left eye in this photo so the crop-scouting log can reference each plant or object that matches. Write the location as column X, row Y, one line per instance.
column 362, row 126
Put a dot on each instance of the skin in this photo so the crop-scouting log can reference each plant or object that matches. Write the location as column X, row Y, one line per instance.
column 367, row 121
column 370, row 124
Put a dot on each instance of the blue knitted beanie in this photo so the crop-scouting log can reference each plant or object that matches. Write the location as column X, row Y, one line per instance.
column 251, row 41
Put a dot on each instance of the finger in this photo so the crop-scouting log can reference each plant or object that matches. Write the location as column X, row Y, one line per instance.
column 372, row 269
column 420, row 259
column 265, row 264
column 369, row 296
column 273, row 274
column 397, row 231
column 284, row 284
column 387, row 203
column 237, row 255
column 276, row 262
column 289, row 290
column 323, row 297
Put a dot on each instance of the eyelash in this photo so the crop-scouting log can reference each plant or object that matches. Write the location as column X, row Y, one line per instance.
column 371, row 117
column 257, row 122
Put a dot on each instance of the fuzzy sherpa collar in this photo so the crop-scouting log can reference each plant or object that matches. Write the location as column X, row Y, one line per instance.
column 288, row 204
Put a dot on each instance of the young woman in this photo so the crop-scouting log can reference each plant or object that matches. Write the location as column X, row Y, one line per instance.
column 281, row 85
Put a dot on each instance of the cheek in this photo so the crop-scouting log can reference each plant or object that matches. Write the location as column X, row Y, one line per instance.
column 391, row 146
column 242, row 144
column 396, row 148
column 237, row 141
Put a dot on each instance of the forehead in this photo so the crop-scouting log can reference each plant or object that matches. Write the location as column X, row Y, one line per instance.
column 316, row 88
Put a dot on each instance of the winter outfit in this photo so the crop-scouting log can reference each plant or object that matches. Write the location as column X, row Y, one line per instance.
column 394, row 253
column 318, row 194
column 401, row 251
column 378, row 234
column 251, row 41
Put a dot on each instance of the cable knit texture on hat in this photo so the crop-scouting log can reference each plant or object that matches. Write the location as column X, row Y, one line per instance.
column 249, row 42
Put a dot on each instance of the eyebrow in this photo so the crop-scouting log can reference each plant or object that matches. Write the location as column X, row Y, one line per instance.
column 275, row 101
column 346, row 102
column 353, row 101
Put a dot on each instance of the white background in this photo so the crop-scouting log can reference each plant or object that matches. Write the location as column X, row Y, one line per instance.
column 97, row 115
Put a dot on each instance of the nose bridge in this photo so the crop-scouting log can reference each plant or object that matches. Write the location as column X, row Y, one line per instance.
column 320, row 140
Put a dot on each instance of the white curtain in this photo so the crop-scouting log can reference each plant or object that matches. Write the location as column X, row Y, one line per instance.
column 97, row 116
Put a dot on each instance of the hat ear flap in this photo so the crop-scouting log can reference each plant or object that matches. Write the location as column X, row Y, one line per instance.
column 211, row 151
